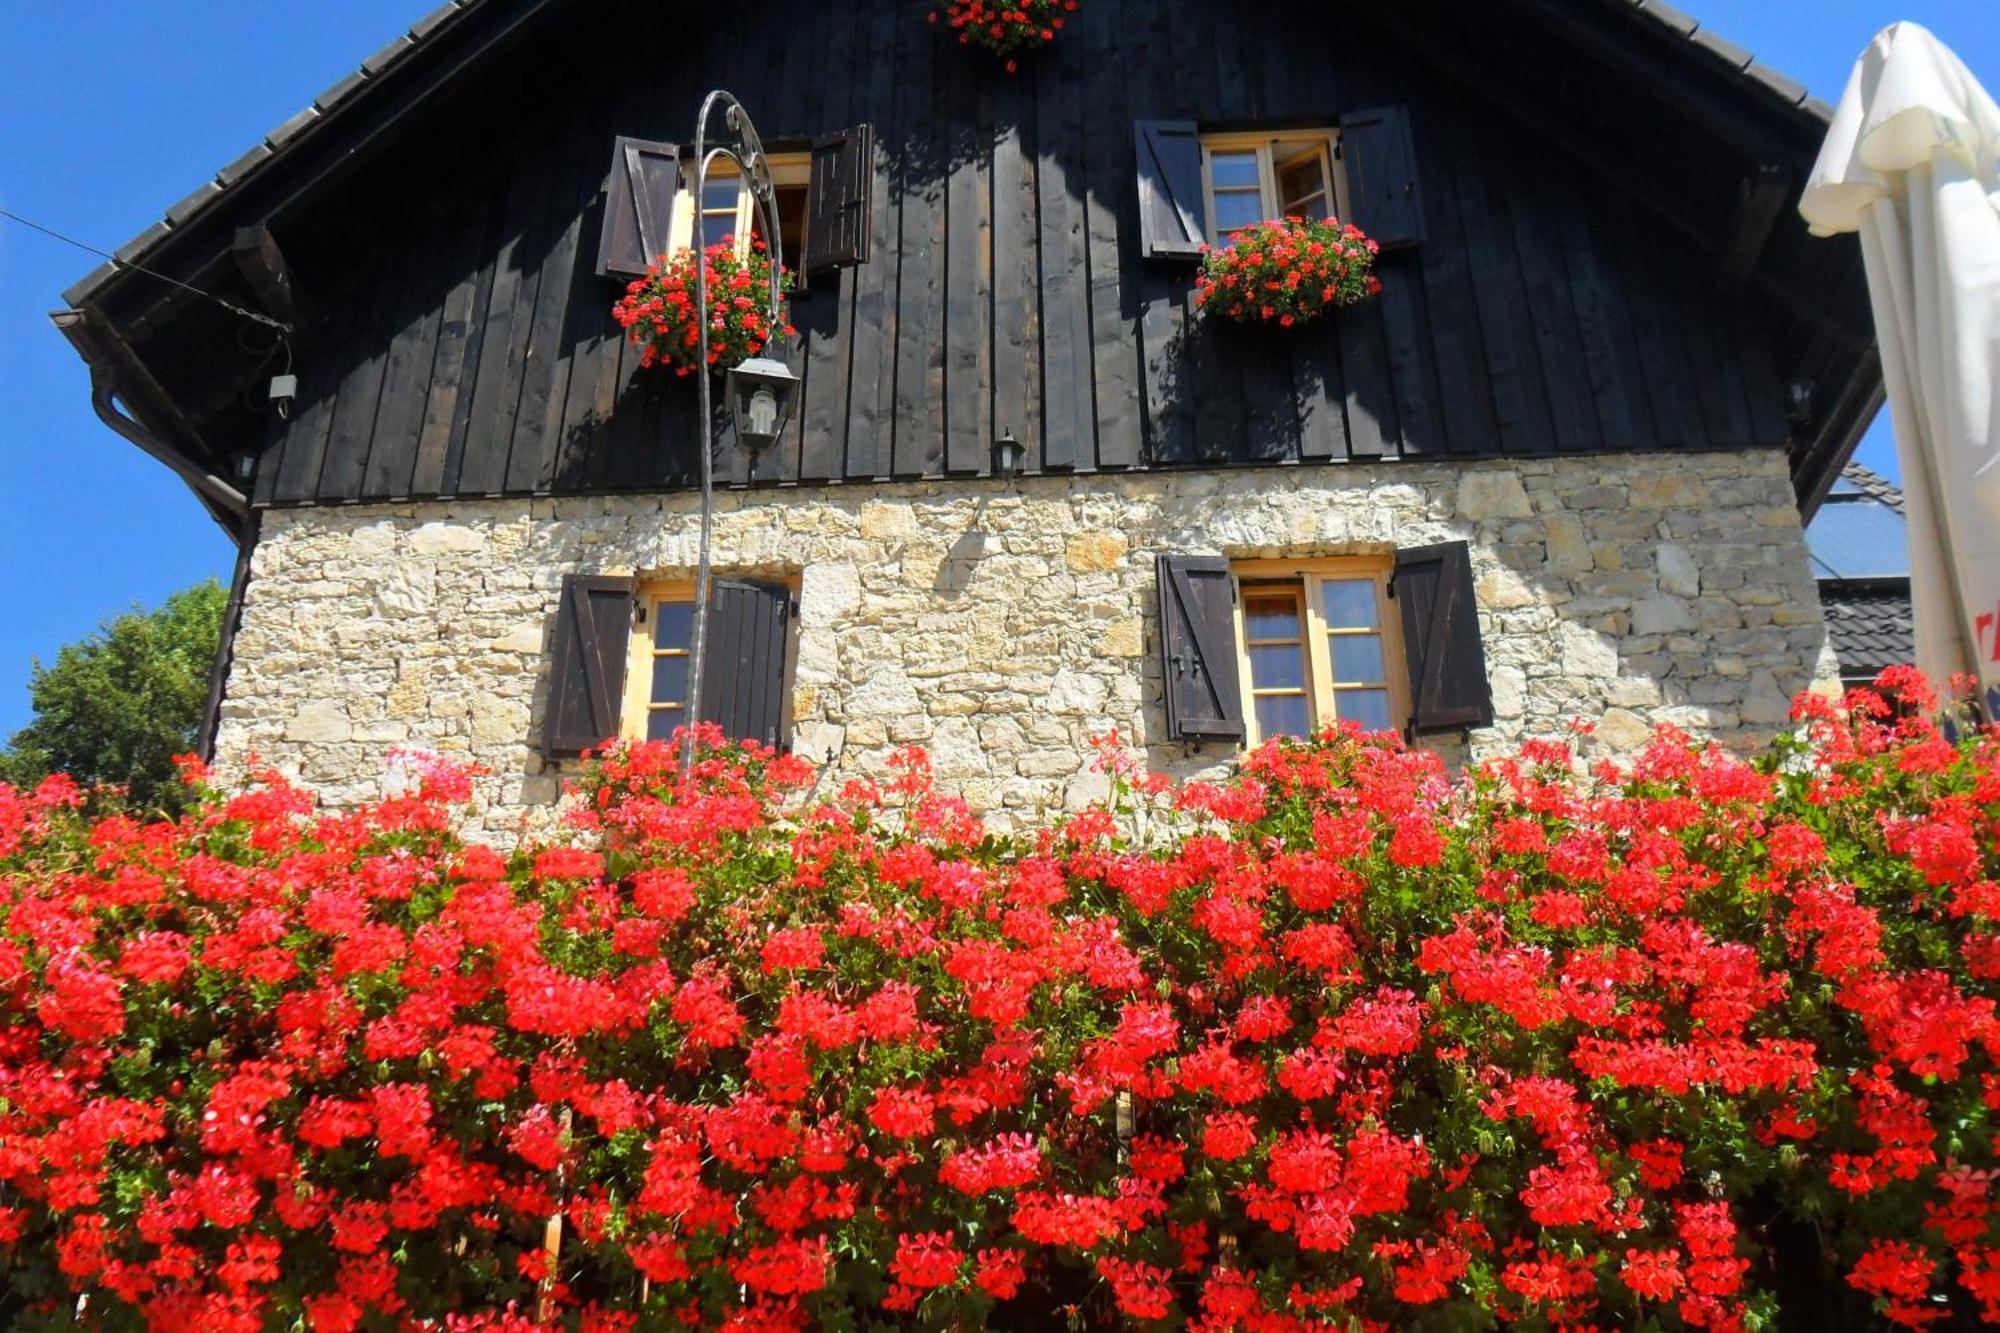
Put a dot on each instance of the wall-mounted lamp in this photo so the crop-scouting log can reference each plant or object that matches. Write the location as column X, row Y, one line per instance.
column 1799, row 402
column 762, row 392
column 1009, row 455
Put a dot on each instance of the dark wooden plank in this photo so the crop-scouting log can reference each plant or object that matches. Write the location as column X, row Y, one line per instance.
column 968, row 277
column 1406, row 324
column 590, row 349
column 1373, row 428
column 1069, row 431
column 1177, row 360
column 918, row 447
column 508, row 320
column 360, row 396
column 1721, row 419
column 566, row 281
column 392, row 455
column 1318, row 391
column 464, row 273
column 873, row 328
column 1458, row 342
column 1623, row 413
column 1572, row 412
column 1512, row 358
column 294, row 473
column 1726, row 336
column 825, row 316
column 460, row 401
column 1015, row 389
column 1764, row 392
column 1111, row 204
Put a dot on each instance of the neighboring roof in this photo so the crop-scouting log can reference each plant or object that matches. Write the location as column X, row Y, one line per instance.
column 1859, row 531
column 1869, row 627
column 285, row 140
column 1858, row 480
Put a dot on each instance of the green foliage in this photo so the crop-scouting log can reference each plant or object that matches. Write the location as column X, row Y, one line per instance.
column 118, row 705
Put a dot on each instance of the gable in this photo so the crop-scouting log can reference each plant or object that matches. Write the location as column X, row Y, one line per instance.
column 400, row 185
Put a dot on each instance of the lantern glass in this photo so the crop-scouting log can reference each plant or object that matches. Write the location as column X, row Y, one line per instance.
column 762, row 392
column 1008, row 456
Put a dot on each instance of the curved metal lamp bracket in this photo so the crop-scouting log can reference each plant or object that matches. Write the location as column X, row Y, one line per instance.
column 746, row 150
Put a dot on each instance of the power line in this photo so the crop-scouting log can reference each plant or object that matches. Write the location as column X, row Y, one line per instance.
column 226, row 304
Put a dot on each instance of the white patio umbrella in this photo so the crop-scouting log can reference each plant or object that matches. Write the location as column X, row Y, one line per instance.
column 1912, row 163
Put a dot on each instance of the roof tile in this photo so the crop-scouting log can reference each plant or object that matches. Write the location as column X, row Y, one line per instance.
column 291, row 129
column 337, row 93
column 1790, row 89
column 1737, row 57
column 1667, row 14
column 434, row 20
column 389, row 54
column 243, row 165
column 143, row 242
column 197, row 199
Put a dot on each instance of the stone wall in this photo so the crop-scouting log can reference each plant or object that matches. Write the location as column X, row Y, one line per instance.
column 1002, row 625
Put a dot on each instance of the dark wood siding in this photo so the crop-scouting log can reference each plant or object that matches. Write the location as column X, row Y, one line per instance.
column 468, row 347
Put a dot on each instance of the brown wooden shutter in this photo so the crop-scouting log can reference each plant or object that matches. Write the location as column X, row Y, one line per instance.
column 1384, row 194
column 1173, row 212
column 587, row 663
column 1447, row 662
column 837, row 207
column 749, row 642
column 638, row 206
column 1198, row 649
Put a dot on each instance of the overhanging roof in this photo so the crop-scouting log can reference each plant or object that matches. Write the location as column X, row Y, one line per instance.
column 293, row 137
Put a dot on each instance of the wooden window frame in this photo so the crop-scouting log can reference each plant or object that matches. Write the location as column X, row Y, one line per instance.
column 1304, row 579
column 788, row 171
column 637, row 707
column 1326, row 138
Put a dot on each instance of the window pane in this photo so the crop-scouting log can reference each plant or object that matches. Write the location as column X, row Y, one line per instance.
column 1368, row 707
column 1283, row 715
column 1349, row 604
column 1277, row 668
column 1302, row 175
column 1313, row 206
column 670, row 678
column 1357, row 657
column 673, row 624
column 1233, row 169
column 660, row 723
column 719, row 195
column 1234, row 210
column 1271, row 617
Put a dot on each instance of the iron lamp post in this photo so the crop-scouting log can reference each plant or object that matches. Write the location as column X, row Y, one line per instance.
column 761, row 391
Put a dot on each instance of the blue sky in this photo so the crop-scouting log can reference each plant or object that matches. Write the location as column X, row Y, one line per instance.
column 110, row 110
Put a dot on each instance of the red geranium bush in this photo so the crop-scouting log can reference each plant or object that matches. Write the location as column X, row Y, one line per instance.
column 1341, row 1042
column 1007, row 28
column 1287, row 272
column 658, row 315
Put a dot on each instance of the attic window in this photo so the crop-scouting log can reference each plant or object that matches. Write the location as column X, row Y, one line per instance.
column 1252, row 178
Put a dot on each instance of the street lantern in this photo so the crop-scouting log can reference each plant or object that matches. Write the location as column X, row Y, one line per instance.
column 1008, row 455
column 762, row 392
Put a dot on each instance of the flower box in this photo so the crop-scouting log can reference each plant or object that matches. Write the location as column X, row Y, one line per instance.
column 1287, row 272
column 1007, row 28
column 657, row 311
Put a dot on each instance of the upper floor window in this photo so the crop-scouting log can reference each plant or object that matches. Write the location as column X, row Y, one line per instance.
column 1252, row 178
column 727, row 208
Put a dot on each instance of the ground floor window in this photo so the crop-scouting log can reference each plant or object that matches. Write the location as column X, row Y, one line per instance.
column 1318, row 645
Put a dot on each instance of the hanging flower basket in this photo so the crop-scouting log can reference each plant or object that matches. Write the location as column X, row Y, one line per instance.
column 657, row 311
column 1288, row 272
column 1008, row 28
